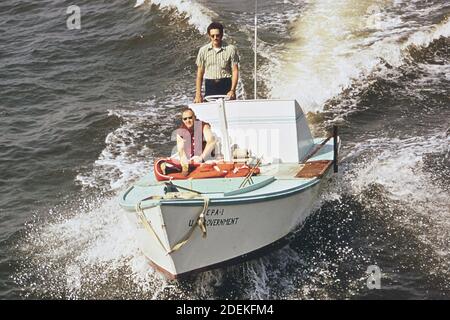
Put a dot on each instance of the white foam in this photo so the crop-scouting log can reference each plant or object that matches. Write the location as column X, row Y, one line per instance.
column 423, row 38
column 398, row 166
column 128, row 153
column 139, row 3
column 335, row 43
column 197, row 14
column 77, row 255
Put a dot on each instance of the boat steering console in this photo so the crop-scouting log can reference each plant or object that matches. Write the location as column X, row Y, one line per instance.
column 216, row 97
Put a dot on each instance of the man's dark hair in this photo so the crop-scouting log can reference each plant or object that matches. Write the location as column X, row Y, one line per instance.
column 187, row 109
column 216, row 25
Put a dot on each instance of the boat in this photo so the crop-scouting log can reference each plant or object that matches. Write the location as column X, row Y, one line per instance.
column 195, row 224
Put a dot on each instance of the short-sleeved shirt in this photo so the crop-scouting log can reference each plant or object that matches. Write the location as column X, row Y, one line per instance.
column 218, row 64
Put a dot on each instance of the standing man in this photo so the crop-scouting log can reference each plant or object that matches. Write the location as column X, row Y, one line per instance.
column 218, row 63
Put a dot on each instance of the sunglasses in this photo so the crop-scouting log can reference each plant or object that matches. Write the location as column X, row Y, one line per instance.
column 188, row 118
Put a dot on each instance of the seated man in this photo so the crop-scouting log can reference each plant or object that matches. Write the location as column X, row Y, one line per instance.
column 195, row 140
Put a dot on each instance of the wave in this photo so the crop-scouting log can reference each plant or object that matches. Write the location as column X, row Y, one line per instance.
column 88, row 250
column 411, row 174
column 144, row 133
column 197, row 15
column 388, row 191
column 335, row 43
column 426, row 37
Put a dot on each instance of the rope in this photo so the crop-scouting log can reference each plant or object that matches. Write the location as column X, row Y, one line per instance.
column 316, row 149
column 200, row 222
column 248, row 177
column 147, row 224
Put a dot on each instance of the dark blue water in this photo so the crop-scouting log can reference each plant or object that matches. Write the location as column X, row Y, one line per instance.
column 84, row 112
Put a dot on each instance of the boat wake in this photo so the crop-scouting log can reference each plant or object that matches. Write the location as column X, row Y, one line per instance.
column 411, row 173
column 334, row 44
column 87, row 249
column 386, row 209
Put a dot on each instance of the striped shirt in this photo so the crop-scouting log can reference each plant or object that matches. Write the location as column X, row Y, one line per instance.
column 217, row 64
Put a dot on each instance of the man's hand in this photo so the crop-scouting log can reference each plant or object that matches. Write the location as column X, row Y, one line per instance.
column 184, row 166
column 185, row 170
column 198, row 98
column 197, row 159
column 232, row 94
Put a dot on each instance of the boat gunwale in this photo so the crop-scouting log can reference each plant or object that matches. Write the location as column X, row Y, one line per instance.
column 244, row 199
column 233, row 200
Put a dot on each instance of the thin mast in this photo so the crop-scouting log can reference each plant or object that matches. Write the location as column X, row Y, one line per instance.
column 256, row 34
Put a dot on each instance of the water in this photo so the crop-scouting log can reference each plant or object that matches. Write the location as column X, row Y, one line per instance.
column 84, row 112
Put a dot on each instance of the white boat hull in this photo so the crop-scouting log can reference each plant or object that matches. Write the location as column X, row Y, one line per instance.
column 233, row 230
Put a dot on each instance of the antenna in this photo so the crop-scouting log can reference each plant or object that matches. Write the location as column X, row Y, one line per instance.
column 256, row 35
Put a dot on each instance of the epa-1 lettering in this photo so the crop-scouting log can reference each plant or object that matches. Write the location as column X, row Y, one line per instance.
column 214, row 212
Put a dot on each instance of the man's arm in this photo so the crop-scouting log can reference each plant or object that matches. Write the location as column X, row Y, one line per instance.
column 234, row 82
column 182, row 154
column 198, row 84
column 210, row 142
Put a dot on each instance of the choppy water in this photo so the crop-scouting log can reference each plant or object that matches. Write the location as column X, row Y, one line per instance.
column 84, row 112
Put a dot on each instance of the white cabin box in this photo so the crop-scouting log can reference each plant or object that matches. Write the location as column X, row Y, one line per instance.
column 277, row 130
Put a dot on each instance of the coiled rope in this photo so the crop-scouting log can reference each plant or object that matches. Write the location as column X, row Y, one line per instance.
column 200, row 221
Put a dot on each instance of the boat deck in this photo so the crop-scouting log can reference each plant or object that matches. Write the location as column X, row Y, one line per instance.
column 274, row 179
